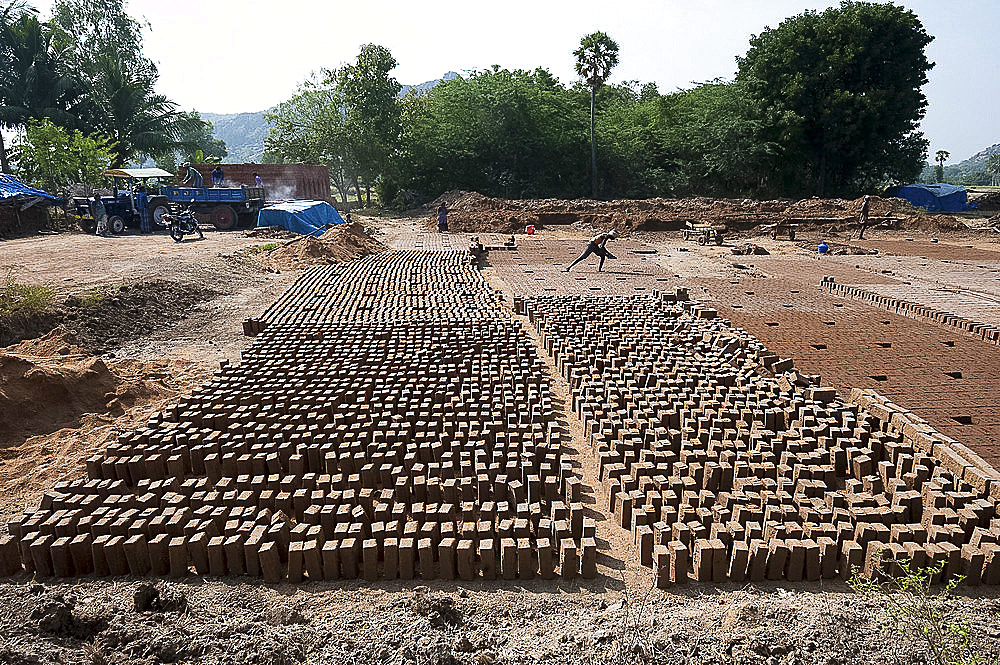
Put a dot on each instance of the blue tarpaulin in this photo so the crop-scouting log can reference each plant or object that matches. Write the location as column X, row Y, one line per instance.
column 13, row 190
column 310, row 218
column 939, row 197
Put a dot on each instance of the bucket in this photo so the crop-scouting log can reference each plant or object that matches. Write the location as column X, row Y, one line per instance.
column 530, row 229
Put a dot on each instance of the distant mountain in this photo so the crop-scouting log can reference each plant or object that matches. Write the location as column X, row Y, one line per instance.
column 244, row 133
column 427, row 85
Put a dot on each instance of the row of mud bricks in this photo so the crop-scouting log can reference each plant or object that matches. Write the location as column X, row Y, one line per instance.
column 338, row 449
column 388, row 286
column 725, row 464
column 984, row 331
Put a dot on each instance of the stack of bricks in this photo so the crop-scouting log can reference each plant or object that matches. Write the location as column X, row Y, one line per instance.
column 339, row 447
column 723, row 466
column 388, row 286
column 921, row 312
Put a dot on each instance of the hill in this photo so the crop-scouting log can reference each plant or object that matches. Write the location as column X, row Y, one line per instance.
column 244, row 133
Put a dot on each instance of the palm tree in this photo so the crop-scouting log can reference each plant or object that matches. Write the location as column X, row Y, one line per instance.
column 33, row 80
column 138, row 121
column 595, row 58
column 940, row 158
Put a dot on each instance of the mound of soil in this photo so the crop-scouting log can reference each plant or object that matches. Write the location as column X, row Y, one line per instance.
column 473, row 212
column 341, row 243
column 52, row 380
column 102, row 320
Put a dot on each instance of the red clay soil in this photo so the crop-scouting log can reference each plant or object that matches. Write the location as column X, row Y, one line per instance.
column 473, row 212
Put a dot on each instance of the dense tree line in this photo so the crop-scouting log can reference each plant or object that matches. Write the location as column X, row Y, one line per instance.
column 84, row 72
column 826, row 104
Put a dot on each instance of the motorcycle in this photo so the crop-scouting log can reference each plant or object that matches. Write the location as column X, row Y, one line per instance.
column 182, row 223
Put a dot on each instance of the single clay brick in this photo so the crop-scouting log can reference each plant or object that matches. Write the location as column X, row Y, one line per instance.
column 425, row 554
column 62, row 565
column 159, row 559
column 137, row 555
column 198, row 552
column 296, row 562
column 487, row 559
column 546, row 565
column 217, row 557
column 466, row 559
column 390, row 556
column 407, row 557
column 740, row 562
column 177, row 553
column 446, row 558
column 569, row 559
column 313, row 560
column 270, row 562
column 79, row 552
column 114, row 552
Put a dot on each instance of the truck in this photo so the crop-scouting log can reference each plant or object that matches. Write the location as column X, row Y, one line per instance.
column 226, row 207
column 140, row 195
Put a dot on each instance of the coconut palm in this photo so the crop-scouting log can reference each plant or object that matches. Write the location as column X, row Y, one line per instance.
column 33, row 81
column 595, row 58
column 139, row 121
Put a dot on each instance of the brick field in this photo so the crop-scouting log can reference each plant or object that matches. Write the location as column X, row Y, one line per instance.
column 393, row 419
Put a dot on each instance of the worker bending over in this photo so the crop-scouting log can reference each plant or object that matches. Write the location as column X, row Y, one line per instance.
column 597, row 245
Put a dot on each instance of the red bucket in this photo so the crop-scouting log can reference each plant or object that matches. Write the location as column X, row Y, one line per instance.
column 530, row 229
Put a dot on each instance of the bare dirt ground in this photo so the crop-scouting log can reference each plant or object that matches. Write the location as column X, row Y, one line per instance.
column 616, row 618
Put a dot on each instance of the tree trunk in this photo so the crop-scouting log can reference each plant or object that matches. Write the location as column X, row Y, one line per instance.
column 4, row 166
column 593, row 148
column 357, row 190
column 368, row 195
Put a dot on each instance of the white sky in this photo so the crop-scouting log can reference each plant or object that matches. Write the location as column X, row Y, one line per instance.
column 227, row 56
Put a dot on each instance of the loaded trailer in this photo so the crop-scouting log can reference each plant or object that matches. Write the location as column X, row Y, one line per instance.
column 138, row 197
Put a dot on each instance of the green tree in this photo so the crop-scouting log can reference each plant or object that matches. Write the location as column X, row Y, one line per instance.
column 842, row 90
column 310, row 128
column 940, row 157
column 103, row 44
column 34, row 78
column 499, row 132
column 196, row 137
column 371, row 111
column 51, row 157
column 139, row 121
column 596, row 56
column 993, row 169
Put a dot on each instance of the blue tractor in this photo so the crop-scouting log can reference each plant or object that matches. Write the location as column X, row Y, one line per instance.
column 136, row 197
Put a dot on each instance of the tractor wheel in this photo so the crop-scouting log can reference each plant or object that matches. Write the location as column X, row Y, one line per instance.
column 703, row 238
column 158, row 213
column 791, row 235
column 774, row 234
column 685, row 235
column 224, row 218
column 719, row 239
column 88, row 225
column 116, row 224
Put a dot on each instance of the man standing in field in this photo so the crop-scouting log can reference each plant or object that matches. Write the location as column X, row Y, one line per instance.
column 863, row 216
column 100, row 216
column 442, row 218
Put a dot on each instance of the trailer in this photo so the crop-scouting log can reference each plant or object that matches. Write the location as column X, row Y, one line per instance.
column 225, row 207
column 778, row 228
column 704, row 233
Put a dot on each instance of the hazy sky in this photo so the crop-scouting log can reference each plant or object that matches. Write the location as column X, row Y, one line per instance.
column 225, row 56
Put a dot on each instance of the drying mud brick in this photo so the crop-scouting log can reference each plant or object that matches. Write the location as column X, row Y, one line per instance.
column 270, row 563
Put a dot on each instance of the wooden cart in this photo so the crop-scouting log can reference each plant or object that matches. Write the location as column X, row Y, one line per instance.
column 779, row 228
column 704, row 233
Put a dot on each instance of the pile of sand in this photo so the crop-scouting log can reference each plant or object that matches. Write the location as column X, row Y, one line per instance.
column 344, row 242
column 50, row 380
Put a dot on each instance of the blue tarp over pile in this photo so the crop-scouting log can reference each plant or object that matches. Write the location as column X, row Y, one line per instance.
column 937, row 197
column 13, row 190
column 310, row 218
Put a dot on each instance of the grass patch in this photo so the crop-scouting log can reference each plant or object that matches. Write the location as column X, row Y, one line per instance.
column 260, row 249
column 27, row 299
column 91, row 298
